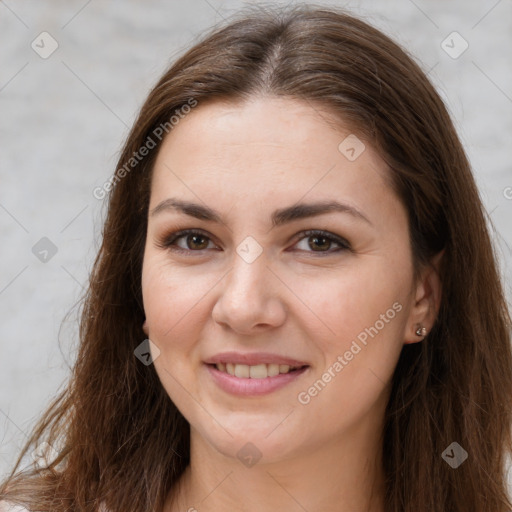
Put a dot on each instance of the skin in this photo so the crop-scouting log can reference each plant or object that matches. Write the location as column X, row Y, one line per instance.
column 300, row 298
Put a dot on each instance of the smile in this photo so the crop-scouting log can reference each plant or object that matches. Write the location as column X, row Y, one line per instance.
column 253, row 380
column 258, row 371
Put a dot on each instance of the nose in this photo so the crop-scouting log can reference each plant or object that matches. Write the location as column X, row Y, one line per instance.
column 249, row 299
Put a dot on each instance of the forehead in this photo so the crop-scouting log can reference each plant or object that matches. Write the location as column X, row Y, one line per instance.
column 268, row 150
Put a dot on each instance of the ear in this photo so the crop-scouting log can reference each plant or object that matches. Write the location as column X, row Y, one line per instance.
column 145, row 328
column 427, row 300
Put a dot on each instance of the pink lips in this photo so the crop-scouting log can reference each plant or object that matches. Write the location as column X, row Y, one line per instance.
column 253, row 387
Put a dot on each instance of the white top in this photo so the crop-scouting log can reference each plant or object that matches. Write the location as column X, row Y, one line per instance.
column 9, row 507
column 6, row 506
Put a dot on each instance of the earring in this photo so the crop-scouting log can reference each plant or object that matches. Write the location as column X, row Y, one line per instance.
column 421, row 331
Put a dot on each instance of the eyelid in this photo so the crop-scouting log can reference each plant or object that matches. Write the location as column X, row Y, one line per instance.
column 166, row 241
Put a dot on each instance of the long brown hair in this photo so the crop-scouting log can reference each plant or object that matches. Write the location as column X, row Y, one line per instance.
column 120, row 438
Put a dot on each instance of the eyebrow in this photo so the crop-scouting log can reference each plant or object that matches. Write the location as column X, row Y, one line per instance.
column 278, row 218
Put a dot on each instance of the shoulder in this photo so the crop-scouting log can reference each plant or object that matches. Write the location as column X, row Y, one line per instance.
column 6, row 506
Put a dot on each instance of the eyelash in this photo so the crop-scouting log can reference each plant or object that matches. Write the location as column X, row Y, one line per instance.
column 168, row 241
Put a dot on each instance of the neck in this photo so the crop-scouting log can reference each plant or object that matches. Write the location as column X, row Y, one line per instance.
column 344, row 475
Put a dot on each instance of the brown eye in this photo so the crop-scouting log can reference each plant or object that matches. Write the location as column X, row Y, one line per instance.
column 322, row 242
column 188, row 240
column 194, row 241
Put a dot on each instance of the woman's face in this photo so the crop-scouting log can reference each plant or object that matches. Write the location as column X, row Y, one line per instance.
column 251, row 284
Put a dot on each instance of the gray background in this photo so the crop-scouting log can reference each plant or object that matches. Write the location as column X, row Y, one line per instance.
column 64, row 118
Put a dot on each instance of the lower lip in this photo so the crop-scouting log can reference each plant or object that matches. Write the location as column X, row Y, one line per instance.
column 252, row 387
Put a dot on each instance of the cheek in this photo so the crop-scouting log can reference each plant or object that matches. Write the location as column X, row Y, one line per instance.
column 362, row 313
column 174, row 302
column 359, row 351
column 348, row 300
column 174, row 314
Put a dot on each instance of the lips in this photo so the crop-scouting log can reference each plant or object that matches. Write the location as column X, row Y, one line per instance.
column 256, row 385
column 252, row 374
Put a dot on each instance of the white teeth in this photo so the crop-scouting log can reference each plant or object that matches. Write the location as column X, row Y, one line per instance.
column 258, row 371
column 273, row 370
column 242, row 370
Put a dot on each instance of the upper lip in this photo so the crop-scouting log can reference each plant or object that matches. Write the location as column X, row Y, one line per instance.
column 253, row 358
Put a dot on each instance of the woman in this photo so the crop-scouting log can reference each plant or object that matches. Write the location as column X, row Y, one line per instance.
column 296, row 305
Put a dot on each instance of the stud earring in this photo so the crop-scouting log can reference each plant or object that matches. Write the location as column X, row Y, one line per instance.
column 421, row 331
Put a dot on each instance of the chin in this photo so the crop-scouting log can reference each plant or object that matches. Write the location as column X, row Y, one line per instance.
column 251, row 446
